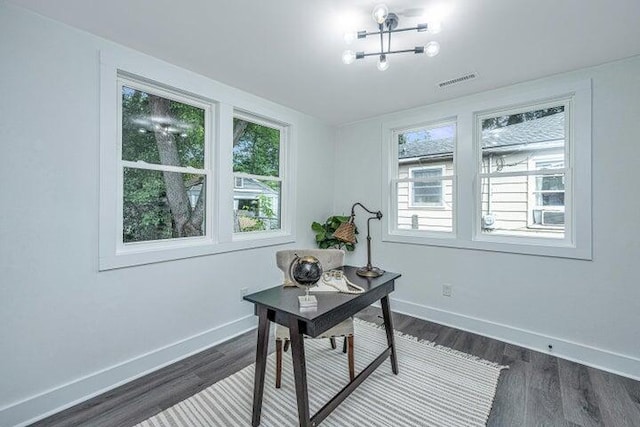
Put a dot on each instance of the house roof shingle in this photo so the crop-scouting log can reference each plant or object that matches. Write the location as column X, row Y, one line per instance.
column 542, row 132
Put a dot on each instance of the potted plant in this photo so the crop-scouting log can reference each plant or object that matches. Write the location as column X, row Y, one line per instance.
column 324, row 233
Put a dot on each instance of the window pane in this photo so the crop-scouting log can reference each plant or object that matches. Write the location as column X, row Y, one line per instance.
column 256, row 148
column 429, row 192
column 426, row 146
column 161, row 131
column 425, row 218
column 162, row 205
column 423, row 153
column 550, row 199
column 509, row 142
column 550, row 182
column 507, row 209
column 257, row 206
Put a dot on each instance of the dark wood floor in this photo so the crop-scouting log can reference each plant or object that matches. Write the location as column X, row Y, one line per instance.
column 537, row 390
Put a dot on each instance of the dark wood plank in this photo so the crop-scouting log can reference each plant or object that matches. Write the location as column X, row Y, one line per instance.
column 616, row 405
column 544, row 400
column 579, row 401
column 510, row 402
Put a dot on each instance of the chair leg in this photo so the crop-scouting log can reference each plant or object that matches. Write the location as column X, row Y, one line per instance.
column 286, row 345
column 333, row 342
column 278, row 363
column 352, row 369
column 344, row 345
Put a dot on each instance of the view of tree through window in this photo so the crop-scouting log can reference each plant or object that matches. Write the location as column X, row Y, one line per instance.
column 163, row 159
column 256, row 162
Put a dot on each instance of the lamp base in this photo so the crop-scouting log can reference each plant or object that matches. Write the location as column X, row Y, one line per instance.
column 369, row 272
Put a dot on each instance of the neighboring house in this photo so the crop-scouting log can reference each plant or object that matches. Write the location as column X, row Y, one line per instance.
column 515, row 203
column 254, row 199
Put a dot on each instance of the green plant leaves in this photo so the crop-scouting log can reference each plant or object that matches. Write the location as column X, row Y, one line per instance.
column 324, row 233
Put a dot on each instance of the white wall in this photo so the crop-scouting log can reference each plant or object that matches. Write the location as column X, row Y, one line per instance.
column 66, row 330
column 588, row 310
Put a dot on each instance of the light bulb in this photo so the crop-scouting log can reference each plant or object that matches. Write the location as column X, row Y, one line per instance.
column 348, row 57
column 383, row 64
column 380, row 13
column 350, row 37
column 432, row 48
column 434, row 27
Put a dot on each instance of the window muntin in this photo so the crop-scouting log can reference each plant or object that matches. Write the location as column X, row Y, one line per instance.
column 424, row 173
column 257, row 162
column 164, row 167
column 522, row 172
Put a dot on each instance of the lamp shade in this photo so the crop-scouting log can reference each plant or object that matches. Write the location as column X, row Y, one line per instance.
column 346, row 232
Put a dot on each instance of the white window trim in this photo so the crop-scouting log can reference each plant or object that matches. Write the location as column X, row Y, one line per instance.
column 467, row 221
column 117, row 61
column 390, row 167
column 412, row 203
column 209, row 108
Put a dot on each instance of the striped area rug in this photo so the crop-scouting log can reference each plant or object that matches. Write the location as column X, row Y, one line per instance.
column 436, row 386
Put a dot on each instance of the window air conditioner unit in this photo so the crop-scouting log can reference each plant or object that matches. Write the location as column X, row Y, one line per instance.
column 544, row 217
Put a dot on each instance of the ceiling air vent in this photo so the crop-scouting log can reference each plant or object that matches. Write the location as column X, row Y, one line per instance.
column 457, row 80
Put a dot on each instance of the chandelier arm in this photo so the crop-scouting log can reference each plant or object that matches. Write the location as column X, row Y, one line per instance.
column 363, row 34
column 381, row 38
column 389, row 44
column 362, row 54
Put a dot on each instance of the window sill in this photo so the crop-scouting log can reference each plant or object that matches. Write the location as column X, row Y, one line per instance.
column 164, row 253
column 556, row 249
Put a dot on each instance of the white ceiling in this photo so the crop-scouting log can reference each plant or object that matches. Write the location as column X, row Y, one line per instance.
column 289, row 51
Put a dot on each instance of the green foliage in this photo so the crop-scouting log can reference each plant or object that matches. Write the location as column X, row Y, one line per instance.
column 146, row 213
column 501, row 121
column 257, row 150
column 324, row 233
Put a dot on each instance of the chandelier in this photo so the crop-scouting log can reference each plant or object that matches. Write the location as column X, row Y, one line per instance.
column 388, row 25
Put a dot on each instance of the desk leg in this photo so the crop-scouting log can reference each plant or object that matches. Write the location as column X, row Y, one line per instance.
column 299, row 372
column 261, row 364
column 388, row 326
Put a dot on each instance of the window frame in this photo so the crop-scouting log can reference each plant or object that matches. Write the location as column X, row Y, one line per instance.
column 466, row 184
column 532, row 205
column 282, row 172
column 391, row 179
column 115, row 62
column 124, row 80
column 496, row 237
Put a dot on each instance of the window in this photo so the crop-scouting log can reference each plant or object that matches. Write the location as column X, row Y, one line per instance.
column 511, row 173
column 164, row 164
column 256, row 163
column 426, row 192
column 522, row 171
column 171, row 167
column 423, row 169
column 547, row 197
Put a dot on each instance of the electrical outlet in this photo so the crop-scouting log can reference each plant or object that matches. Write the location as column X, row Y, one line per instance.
column 243, row 292
column 446, row 290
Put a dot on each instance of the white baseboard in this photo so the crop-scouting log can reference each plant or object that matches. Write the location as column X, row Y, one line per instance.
column 605, row 360
column 62, row 397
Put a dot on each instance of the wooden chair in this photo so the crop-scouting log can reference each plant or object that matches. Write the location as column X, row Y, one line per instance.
column 329, row 259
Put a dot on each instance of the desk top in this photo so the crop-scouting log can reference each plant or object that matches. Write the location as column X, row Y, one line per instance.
column 332, row 306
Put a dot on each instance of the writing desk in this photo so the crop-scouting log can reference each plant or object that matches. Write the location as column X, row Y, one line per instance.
column 280, row 305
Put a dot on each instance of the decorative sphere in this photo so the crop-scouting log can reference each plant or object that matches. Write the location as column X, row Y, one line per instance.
column 306, row 270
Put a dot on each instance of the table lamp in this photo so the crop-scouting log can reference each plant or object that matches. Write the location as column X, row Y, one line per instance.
column 347, row 233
